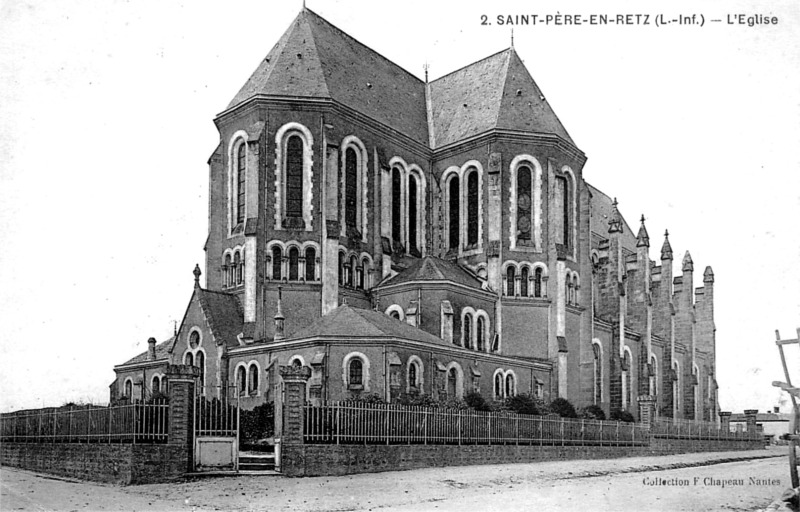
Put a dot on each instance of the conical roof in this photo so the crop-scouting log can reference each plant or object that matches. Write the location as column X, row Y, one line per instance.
column 430, row 268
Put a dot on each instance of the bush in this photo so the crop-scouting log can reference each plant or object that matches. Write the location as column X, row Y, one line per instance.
column 369, row 398
column 563, row 408
column 593, row 412
column 522, row 404
column 417, row 400
column 258, row 423
column 475, row 400
column 620, row 415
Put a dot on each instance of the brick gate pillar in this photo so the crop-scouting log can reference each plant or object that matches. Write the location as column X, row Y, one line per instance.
column 647, row 409
column 750, row 420
column 295, row 379
column 181, row 379
column 725, row 421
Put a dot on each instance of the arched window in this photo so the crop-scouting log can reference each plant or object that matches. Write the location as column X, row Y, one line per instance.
column 480, row 334
column 128, row 389
column 350, row 188
column 412, row 376
column 241, row 380
column 394, row 314
column 194, row 340
column 311, row 264
column 511, row 274
column 397, row 206
column 156, row 384
column 570, row 290
column 511, row 387
column 228, row 271
column 200, row 362
column 356, row 372
column 241, row 178
column 524, row 203
column 294, row 176
column 237, row 266
column 452, row 383
column 472, row 208
column 575, row 289
column 412, row 215
column 498, row 386
column 562, row 204
column 341, row 269
column 537, row 282
column 598, row 374
column 523, row 282
column 467, row 330
column 252, row 382
column 297, row 363
column 454, row 211
column 294, row 264
column 352, row 274
column 188, row 359
column 277, row 263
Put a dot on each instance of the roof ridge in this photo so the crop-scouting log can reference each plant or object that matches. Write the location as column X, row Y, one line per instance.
column 348, row 36
column 462, row 68
column 499, row 103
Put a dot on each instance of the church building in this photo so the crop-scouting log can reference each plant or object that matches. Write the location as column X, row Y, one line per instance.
column 399, row 236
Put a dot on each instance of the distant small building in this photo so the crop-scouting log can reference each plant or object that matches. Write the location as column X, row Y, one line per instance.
column 773, row 424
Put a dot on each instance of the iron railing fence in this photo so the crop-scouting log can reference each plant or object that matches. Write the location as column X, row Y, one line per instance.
column 216, row 417
column 129, row 423
column 361, row 423
column 696, row 429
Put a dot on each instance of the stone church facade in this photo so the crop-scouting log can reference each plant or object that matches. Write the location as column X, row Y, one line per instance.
column 398, row 235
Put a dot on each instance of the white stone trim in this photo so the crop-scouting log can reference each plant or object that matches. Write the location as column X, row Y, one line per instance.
column 396, row 308
column 598, row 372
column 628, row 372
column 281, row 138
column 124, row 386
column 296, row 357
column 498, row 373
column 655, row 388
column 415, row 360
column 470, row 344
column 536, row 201
column 573, row 198
column 459, row 379
column 506, row 375
column 362, row 161
column 487, row 330
column 447, row 175
column 346, row 370
column 257, row 390
column 237, row 139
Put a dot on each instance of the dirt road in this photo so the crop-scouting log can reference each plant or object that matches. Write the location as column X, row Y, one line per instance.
column 646, row 483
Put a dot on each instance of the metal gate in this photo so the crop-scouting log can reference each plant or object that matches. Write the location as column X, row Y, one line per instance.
column 216, row 428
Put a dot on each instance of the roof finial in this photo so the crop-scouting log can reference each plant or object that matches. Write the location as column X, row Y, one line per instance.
column 642, row 239
column 279, row 318
column 614, row 219
column 666, row 249
column 197, row 272
column 425, row 67
column 512, row 37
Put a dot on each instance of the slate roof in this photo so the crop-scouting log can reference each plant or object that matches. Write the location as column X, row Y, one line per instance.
column 162, row 352
column 601, row 209
column 430, row 268
column 495, row 92
column 314, row 59
column 349, row 322
column 224, row 314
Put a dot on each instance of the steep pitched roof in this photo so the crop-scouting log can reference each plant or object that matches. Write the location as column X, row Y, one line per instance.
column 602, row 206
column 162, row 352
column 224, row 315
column 314, row 59
column 494, row 93
column 430, row 268
column 349, row 322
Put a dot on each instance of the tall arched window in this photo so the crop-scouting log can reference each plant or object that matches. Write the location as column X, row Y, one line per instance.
column 412, row 376
column 524, row 202
column 498, row 386
column 561, row 206
column 241, row 179
column 351, row 277
column 128, row 389
column 570, row 290
column 454, row 212
column 311, row 264
column 412, row 215
column 227, row 271
column 511, row 275
column 537, row 282
column 252, row 382
column 341, row 269
column 467, row 329
column 294, row 177
column 472, row 208
column 480, row 334
column 575, row 289
column 277, row 263
column 200, row 363
column 397, row 205
column 188, row 359
column 356, row 372
column 241, row 380
column 237, row 265
column 511, row 386
column 452, row 383
column 523, row 282
column 350, row 188
column 294, row 264
column 598, row 374
column 361, row 272
column 156, row 385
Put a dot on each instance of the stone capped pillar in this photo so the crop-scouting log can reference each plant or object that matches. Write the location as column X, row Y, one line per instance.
column 295, row 379
column 725, row 421
column 182, row 380
column 750, row 419
column 647, row 409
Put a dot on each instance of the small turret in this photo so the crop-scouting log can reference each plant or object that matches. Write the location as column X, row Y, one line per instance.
column 642, row 239
column 197, row 273
column 708, row 276
column 151, row 349
column 688, row 264
column 666, row 249
column 279, row 318
column 615, row 219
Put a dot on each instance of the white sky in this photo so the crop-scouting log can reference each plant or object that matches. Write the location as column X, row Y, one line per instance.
column 106, row 112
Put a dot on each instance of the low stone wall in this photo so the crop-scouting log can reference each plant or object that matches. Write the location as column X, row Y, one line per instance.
column 329, row 460
column 111, row 463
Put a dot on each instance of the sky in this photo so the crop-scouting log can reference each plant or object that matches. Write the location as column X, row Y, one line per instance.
column 106, row 125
